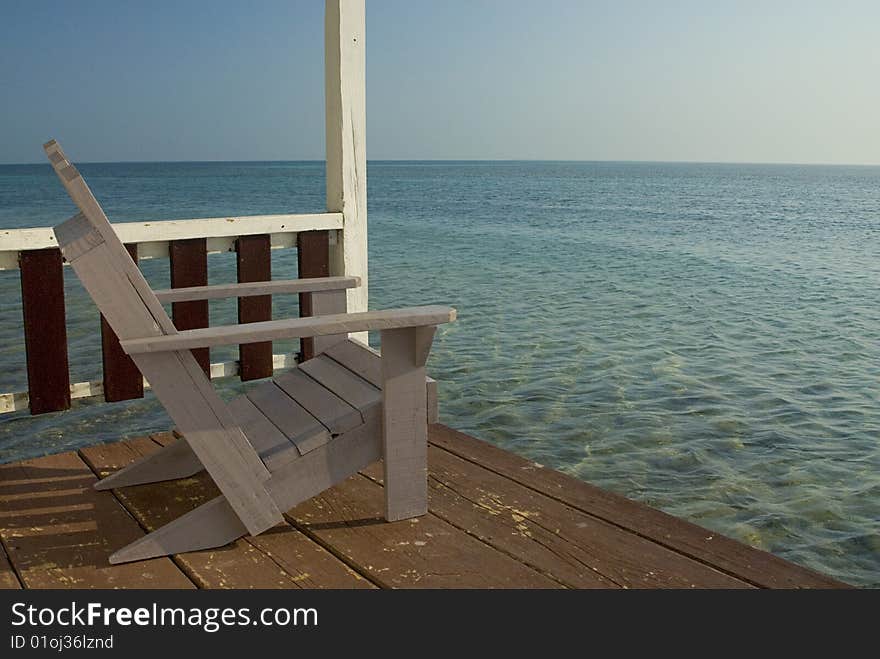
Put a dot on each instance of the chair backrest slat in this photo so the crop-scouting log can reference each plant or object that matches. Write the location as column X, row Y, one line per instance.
column 110, row 289
column 94, row 227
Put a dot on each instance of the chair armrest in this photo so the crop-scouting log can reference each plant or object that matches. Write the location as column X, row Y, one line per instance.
column 249, row 289
column 275, row 330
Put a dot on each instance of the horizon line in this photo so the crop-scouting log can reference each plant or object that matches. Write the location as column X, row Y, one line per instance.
column 474, row 160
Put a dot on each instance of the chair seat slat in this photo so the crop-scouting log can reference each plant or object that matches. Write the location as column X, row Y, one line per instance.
column 334, row 413
column 346, row 384
column 300, row 427
column 273, row 446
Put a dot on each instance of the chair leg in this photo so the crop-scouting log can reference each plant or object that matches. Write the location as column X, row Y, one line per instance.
column 176, row 460
column 404, row 421
column 213, row 524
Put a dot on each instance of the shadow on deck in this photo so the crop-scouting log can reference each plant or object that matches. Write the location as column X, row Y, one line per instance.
column 495, row 521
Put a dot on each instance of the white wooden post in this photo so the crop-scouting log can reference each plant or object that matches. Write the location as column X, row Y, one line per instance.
column 345, row 101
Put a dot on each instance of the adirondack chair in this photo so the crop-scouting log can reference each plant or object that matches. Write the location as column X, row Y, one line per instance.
column 287, row 439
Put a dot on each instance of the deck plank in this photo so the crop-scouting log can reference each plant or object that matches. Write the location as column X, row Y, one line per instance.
column 8, row 578
column 576, row 549
column 424, row 552
column 496, row 520
column 747, row 563
column 59, row 532
column 310, row 565
column 280, row 558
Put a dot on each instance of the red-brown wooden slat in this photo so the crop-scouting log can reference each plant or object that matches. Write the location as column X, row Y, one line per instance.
column 45, row 332
column 122, row 379
column 254, row 264
column 189, row 267
column 313, row 260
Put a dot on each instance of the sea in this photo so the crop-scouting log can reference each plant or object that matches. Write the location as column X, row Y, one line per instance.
column 704, row 338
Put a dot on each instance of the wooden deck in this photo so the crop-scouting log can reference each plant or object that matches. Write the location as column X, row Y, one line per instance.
column 495, row 521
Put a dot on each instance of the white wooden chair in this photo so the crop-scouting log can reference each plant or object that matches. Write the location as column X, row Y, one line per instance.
column 287, row 439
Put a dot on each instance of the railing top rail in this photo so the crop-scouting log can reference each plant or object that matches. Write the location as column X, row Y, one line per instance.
column 222, row 230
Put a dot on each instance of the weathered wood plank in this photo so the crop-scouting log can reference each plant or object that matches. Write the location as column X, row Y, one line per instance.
column 489, row 519
column 292, row 328
column 327, row 303
column 349, row 386
column 308, row 563
column 176, row 460
column 366, row 362
column 300, row 427
column 404, row 421
column 274, row 447
column 211, row 525
column 432, row 402
column 334, row 413
column 741, row 561
column 495, row 511
column 360, row 359
column 107, row 272
column 346, row 133
column 329, row 463
column 60, row 532
column 254, row 264
column 189, row 267
column 423, row 552
column 256, row 288
column 280, row 558
column 122, row 379
column 45, row 332
column 8, row 578
column 573, row 547
column 97, row 223
column 313, row 260
column 154, row 235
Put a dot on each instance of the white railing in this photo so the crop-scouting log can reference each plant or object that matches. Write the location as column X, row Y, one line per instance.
column 152, row 238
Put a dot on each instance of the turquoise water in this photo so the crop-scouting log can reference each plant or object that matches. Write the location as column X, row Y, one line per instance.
column 703, row 338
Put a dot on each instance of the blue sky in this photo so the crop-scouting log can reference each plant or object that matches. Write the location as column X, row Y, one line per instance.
column 737, row 81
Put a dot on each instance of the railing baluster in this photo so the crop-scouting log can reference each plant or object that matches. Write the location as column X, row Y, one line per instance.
column 45, row 332
column 254, row 263
column 122, row 379
column 189, row 267
column 313, row 260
